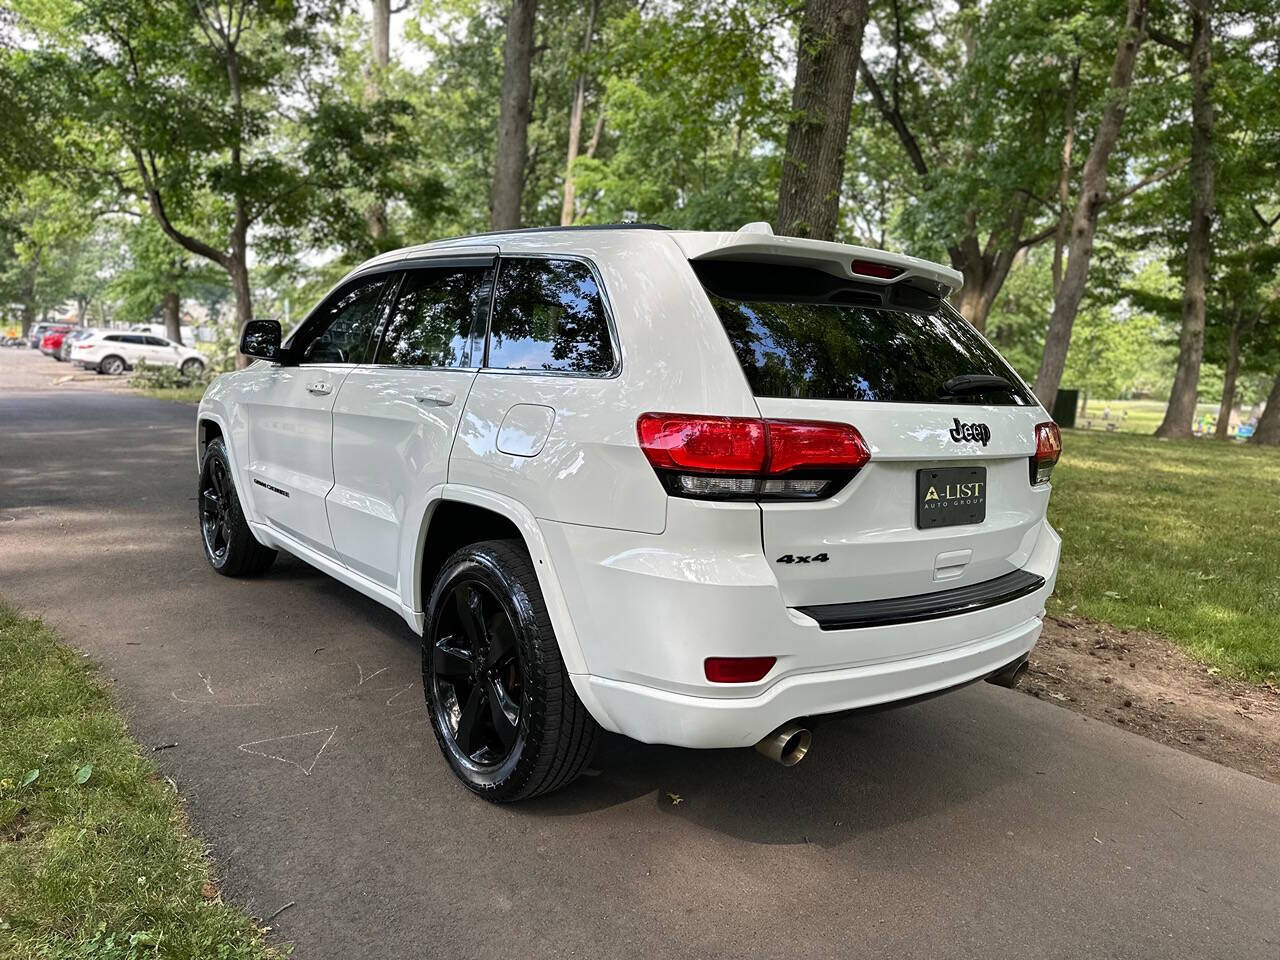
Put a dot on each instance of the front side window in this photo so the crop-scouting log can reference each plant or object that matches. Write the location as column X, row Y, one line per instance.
column 341, row 330
column 549, row 315
column 433, row 318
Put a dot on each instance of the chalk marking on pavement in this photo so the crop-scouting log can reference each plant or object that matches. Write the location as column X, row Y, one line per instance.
column 405, row 689
column 363, row 678
column 306, row 771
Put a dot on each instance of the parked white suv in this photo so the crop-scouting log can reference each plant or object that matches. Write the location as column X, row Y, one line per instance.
column 694, row 488
column 114, row 351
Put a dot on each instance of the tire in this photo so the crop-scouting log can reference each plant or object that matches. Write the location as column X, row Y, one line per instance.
column 490, row 588
column 111, row 365
column 229, row 544
column 192, row 368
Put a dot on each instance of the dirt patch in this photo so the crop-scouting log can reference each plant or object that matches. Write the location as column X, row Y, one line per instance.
column 1140, row 682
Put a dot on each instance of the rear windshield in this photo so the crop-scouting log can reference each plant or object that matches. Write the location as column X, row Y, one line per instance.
column 804, row 334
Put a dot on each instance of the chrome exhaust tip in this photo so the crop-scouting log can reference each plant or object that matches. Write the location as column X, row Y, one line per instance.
column 787, row 745
column 1011, row 675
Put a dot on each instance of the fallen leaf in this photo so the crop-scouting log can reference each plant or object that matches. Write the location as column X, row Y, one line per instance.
column 31, row 777
column 208, row 891
column 675, row 798
column 83, row 774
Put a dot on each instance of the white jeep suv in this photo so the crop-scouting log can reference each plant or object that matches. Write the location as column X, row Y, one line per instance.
column 694, row 488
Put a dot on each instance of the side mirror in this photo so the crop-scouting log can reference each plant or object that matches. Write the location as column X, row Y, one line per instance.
column 261, row 340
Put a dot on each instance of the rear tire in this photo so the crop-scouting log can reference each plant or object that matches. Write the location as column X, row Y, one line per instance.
column 112, row 366
column 503, row 709
column 229, row 544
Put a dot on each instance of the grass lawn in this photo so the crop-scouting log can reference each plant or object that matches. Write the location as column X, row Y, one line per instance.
column 1178, row 537
column 1132, row 416
column 189, row 395
column 95, row 857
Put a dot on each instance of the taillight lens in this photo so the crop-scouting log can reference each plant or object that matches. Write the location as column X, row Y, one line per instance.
column 1048, row 450
column 869, row 268
column 738, row 669
column 744, row 458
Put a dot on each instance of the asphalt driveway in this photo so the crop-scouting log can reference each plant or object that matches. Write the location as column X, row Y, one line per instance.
column 983, row 824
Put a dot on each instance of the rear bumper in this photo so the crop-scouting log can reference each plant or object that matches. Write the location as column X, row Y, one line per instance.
column 658, row 716
column 648, row 612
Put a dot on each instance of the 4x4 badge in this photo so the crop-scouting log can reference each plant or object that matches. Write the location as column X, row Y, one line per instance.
column 970, row 431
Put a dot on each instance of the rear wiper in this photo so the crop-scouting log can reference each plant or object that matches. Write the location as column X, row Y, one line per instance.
column 968, row 383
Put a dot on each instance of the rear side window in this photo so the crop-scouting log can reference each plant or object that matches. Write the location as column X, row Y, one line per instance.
column 434, row 315
column 803, row 334
column 549, row 315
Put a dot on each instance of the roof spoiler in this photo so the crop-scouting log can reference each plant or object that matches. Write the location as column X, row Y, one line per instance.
column 756, row 241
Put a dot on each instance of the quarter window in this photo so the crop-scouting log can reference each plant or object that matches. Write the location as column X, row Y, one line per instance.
column 435, row 313
column 549, row 315
column 341, row 331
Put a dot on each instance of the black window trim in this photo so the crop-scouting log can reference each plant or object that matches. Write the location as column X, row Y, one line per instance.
column 486, row 260
column 615, row 345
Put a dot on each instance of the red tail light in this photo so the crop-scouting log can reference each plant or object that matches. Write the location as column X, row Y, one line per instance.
column 745, row 458
column 1048, row 450
column 738, row 669
column 869, row 268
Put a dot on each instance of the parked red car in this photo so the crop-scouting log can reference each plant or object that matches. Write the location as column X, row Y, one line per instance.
column 52, row 340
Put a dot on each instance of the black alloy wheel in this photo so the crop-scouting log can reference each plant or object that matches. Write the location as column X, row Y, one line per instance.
column 477, row 680
column 215, row 509
column 229, row 544
column 501, row 703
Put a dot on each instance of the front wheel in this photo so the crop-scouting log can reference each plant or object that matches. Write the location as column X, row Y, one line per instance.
column 192, row 368
column 229, row 544
column 501, row 703
column 112, row 366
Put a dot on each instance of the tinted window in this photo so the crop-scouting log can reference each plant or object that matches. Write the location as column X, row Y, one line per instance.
column 548, row 315
column 342, row 329
column 157, row 342
column 435, row 312
column 132, row 338
column 794, row 341
column 113, row 338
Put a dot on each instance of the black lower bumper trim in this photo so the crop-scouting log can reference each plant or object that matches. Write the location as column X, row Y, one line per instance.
column 925, row 606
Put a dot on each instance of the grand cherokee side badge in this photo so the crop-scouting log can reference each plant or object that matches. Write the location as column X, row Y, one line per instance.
column 970, row 431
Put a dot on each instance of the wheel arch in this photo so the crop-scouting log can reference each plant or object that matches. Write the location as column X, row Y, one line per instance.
column 462, row 515
column 212, row 425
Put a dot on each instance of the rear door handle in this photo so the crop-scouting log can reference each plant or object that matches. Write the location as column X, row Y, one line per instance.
column 320, row 388
column 436, row 397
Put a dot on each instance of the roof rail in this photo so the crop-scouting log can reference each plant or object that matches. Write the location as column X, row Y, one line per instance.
column 576, row 226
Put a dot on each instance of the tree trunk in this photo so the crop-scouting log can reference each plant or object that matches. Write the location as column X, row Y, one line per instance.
column 1268, row 431
column 1229, row 383
column 172, row 317
column 1181, row 411
column 514, row 108
column 1064, row 177
column 1093, row 192
column 818, row 134
column 568, row 209
column 239, row 272
column 375, row 214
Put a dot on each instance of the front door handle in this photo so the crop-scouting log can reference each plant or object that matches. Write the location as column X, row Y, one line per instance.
column 436, row 397
column 319, row 388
